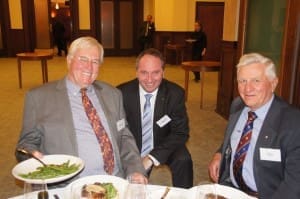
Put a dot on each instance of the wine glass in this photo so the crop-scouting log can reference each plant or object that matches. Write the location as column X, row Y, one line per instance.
column 32, row 190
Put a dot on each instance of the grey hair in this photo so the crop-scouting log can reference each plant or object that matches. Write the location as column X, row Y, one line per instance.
column 85, row 43
column 252, row 58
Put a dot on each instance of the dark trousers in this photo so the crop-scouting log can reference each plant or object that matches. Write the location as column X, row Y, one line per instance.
column 181, row 166
column 145, row 43
column 197, row 57
column 197, row 75
column 61, row 46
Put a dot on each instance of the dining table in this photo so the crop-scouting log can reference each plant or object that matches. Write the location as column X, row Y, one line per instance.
column 157, row 191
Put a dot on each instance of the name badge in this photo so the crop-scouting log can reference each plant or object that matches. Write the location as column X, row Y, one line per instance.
column 270, row 154
column 163, row 121
column 121, row 124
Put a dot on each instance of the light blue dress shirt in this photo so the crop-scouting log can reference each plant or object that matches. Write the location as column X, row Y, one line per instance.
column 142, row 93
column 89, row 149
column 248, row 174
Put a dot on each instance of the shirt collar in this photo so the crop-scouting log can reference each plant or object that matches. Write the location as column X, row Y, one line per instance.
column 262, row 111
column 143, row 92
column 75, row 89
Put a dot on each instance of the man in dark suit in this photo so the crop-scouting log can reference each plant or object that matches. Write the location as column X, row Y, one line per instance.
column 59, row 36
column 169, row 121
column 270, row 167
column 55, row 120
column 146, row 33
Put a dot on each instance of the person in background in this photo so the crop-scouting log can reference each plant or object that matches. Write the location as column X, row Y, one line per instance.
column 146, row 33
column 67, row 116
column 157, row 117
column 199, row 46
column 59, row 30
column 261, row 148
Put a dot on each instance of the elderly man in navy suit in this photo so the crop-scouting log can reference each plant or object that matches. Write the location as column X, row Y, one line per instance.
column 262, row 158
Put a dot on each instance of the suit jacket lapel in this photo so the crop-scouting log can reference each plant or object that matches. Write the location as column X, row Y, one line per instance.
column 104, row 104
column 136, row 107
column 268, row 133
column 159, row 107
column 63, row 104
column 231, row 125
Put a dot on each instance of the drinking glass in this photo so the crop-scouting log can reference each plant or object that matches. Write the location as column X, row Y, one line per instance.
column 135, row 190
column 35, row 191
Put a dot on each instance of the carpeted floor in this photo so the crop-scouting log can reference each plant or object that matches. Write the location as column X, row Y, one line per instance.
column 206, row 127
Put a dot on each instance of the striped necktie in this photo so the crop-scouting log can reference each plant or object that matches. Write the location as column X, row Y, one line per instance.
column 241, row 152
column 147, row 131
column 102, row 137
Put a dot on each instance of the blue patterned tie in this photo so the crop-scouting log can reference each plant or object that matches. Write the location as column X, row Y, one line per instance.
column 241, row 152
column 147, row 135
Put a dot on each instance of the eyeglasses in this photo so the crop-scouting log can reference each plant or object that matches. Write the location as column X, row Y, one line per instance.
column 85, row 61
column 252, row 81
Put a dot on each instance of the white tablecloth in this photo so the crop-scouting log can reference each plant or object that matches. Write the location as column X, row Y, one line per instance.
column 153, row 192
column 156, row 191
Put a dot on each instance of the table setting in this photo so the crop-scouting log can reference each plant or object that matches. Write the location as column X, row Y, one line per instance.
column 111, row 187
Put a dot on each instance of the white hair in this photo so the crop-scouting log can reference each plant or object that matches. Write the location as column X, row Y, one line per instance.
column 252, row 58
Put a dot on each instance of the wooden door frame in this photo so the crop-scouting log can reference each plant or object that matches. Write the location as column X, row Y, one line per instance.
column 3, row 21
column 137, row 17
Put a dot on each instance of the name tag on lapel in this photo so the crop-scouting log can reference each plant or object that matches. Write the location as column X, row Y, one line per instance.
column 121, row 124
column 163, row 121
column 270, row 154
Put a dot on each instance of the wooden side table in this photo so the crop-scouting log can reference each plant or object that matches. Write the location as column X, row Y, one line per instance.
column 34, row 56
column 202, row 67
column 179, row 51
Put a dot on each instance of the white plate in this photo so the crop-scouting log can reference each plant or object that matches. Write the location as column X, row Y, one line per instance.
column 119, row 183
column 32, row 164
column 226, row 191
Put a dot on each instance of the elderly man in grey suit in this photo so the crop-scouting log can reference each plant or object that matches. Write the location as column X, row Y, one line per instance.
column 55, row 119
column 262, row 158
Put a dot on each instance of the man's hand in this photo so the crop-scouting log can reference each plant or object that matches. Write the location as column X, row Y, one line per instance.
column 147, row 162
column 214, row 167
column 137, row 178
column 37, row 154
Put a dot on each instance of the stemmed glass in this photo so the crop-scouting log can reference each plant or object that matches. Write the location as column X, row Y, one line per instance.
column 32, row 190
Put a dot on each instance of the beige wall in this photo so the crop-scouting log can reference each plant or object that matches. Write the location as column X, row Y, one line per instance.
column 148, row 8
column 231, row 20
column 179, row 15
column 15, row 12
column 84, row 15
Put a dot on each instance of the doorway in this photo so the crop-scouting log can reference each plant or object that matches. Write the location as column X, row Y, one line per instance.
column 211, row 15
column 60, row 14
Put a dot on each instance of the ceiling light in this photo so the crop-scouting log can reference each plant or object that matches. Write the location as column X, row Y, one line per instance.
column 56, row 6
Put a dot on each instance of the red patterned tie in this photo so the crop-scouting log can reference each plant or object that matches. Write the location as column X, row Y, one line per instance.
column 241, row 152
column 103, row 139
